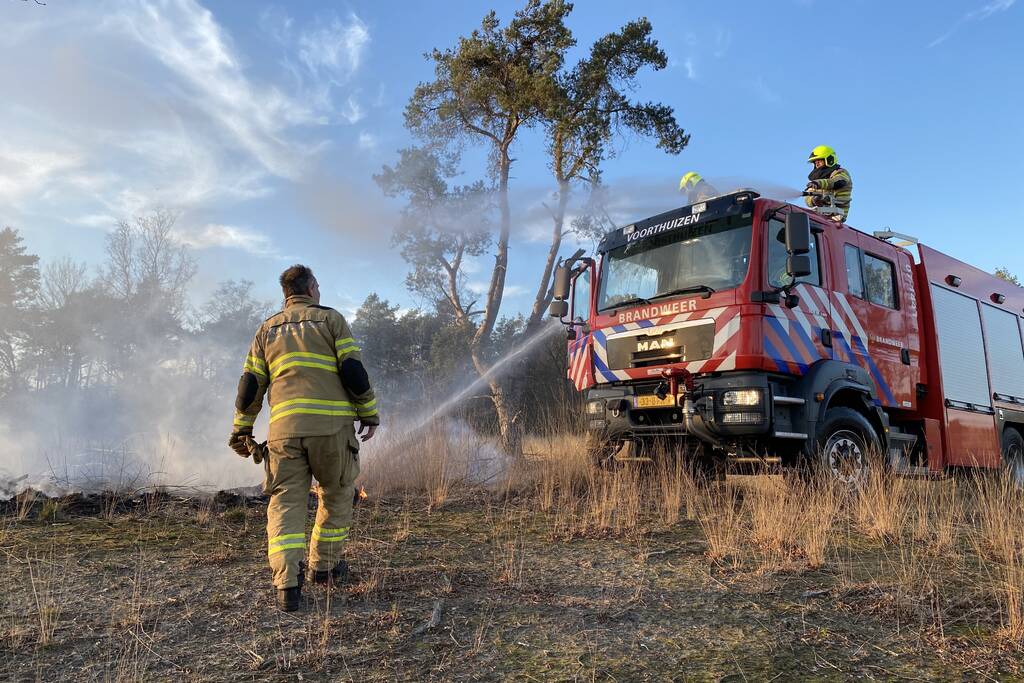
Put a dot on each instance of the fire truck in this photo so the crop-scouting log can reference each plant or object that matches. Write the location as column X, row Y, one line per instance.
column 748, row 329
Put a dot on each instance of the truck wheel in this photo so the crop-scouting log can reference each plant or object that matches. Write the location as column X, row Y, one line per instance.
column 844, row 444
column 1013, row 455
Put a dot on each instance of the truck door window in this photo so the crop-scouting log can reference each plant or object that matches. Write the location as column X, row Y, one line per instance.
column 777, row 276
column 581, row 297
column 854, row 279
column 880, row 281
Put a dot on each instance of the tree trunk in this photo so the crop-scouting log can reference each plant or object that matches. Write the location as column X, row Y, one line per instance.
column 506, row 421
column 497, row 286
column 452, row 286
column 543, row 297
column 509, row 427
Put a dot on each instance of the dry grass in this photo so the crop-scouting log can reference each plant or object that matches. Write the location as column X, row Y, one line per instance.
column 923, row 533
column 437, row 460
column 25, row 502
column 999, row 539
column 46, row 577
column 638, row 564
column 792, row 521
column 881, row 504
column 720, row 514
column 204, row 512
column 938, row 515
column 764, row 523
column 130, row 653
column 508, row 539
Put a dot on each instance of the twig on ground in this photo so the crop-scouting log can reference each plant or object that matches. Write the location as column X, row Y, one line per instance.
column 435, row 618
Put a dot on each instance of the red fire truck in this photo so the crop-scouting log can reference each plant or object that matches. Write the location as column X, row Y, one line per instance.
column 747, row 328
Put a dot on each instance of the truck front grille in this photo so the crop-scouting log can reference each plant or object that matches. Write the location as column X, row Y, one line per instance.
column 638, row 349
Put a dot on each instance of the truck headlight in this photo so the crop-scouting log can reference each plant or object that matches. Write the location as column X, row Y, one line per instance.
column 742, row 397
column 595, row 407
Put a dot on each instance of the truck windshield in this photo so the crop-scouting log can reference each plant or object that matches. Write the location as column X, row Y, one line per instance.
column 714, row 256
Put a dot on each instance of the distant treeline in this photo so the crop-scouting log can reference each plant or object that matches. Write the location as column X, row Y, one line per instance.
column 104, row 351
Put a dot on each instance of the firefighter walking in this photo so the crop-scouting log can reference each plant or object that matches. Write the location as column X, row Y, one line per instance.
column 829, row 185
column 306, row 361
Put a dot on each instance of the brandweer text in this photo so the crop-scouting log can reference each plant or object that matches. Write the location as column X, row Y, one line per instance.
column 658, row 310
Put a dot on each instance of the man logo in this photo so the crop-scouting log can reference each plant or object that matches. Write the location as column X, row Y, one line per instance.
column 655, row 344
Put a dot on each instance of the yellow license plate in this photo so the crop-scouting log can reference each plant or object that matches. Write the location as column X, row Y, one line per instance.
column 653, row 401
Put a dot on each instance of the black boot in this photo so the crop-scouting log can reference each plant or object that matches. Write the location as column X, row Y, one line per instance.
column 288, row 598
column 334, row 576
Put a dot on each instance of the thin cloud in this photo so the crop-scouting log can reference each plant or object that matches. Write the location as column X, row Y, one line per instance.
column 95, row 220
column 145, row 103
column 335, row 49
column 227, row 236
column 723, row 41
column 982, row 13
column 187, row 40
column 691, row 69
column 25, row 171
column 352, row 112
column 367, row 141
column 764, row 92
column 480, row 288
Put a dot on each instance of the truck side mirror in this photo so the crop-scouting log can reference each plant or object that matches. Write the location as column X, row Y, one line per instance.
column 798, row 265
column 558, row 309
column 560, row 288
column 798, row 233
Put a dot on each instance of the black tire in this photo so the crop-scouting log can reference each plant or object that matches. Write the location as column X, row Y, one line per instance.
column 844, row 446
column 1013, row 455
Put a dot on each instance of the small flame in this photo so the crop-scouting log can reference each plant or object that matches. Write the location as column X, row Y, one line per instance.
column 362, row 493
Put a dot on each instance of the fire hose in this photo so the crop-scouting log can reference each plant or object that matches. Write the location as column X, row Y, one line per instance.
column 675, row 377
column 257, row 449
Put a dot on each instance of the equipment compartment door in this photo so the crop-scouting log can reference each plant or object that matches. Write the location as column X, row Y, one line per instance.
column 970, row 418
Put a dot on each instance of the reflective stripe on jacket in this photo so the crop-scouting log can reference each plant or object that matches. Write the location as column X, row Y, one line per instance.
column 297, row 358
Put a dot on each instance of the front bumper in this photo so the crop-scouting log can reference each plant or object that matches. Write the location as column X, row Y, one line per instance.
column 613, row 413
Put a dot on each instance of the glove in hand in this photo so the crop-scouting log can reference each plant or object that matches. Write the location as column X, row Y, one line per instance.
column 237, row 442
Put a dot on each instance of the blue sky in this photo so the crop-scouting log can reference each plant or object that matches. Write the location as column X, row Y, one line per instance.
column 262, row 123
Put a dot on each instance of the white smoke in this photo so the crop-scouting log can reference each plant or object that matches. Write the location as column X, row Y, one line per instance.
column 162, row 427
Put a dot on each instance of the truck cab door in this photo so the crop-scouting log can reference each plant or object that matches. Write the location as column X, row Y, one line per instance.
column 581, row 368
column 796, row 338
column 870, row 310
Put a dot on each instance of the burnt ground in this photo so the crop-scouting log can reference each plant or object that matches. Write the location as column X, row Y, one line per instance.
column 478, row 589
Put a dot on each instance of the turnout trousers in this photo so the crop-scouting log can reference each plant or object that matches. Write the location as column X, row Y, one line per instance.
column 291, row 464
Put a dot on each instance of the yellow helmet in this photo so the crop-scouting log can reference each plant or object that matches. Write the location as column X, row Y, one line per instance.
column 689, row 180
column 825, row 153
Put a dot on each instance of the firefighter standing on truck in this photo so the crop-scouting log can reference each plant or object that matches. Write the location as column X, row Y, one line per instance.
column 829, row 185
column 695, row 188
column 306, row 361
